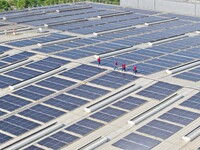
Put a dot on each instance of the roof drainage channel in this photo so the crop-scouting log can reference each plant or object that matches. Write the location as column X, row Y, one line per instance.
column 64, row 23
column 15, row 65
column 192, row 135
column 183, row 67
column 116, row 14
column 97, row 143
column 155, row 109
column 72, row 9
column 162, row 21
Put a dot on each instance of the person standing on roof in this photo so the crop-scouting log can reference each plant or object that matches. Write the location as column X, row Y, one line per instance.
column 135, row 69
column 116, row 65
column 99, row 61
column 123, row 67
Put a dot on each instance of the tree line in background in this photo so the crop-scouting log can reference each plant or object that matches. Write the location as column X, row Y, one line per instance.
column 6, row 5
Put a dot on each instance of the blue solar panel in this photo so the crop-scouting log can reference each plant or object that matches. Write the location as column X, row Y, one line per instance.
column 188, row 76
column 129, row 103
column 108, row 114
column 23, row 123
column 52, row 143
column 70, row 99
column 8, row 80
column 8, row 106
column 42, row 113
column 114, row 79
column 56, row 60
column 18, row 75
column 193, row 102
column 38, row 90
column 29, row 95
column 56, row 83
column 60, row 104
column 75, row 54
column 15, row 100
column 28, row 71
column 136, row 141
column 180, row 116
column 39, row 67
column 159, row 90
column 64, row 137
column 2, row 113
column 51, row 85
column 12, row 129
column 4, row 48
column 36, row 115
column 85, row 91
column 33, row 147
column 76, row 128
column 47, row 110
column 159, row 129
column 84, row 126
column 16, row 125
column 4, row 138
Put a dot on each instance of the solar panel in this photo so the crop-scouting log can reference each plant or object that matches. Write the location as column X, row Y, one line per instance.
column 84, row 126
column 82, row 72
column 16, row 125
column 42, row 113
column 4, row 138
column 56, row 83
column 2, row 113
column 159, row 90
column 137, row 141
column 58, row 140
column 33, row 147
column 114, row 79
column 180, row 116
column 67, row 101
column 108, row 114
column 89, row 92
column 191, row 75
column 14, row 100
column 193, row 102
column 129, row 103
column 159, row 129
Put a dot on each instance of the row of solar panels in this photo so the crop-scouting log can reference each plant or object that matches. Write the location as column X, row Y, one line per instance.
column 159, row 129
column 40, row 90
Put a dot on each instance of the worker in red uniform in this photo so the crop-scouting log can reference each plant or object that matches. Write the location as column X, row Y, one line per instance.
column 135, row 69
column 123, row 67
column 99, row 61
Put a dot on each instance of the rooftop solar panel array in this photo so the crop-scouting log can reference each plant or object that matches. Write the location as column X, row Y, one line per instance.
column 42, row 39
column 30, row 70
column 57, row 87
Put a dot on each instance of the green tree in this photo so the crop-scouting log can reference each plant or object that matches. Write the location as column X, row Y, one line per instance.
column 20, row 4
column 4, row 5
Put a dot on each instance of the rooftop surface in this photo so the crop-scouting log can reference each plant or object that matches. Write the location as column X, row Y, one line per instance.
column 55, row 96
